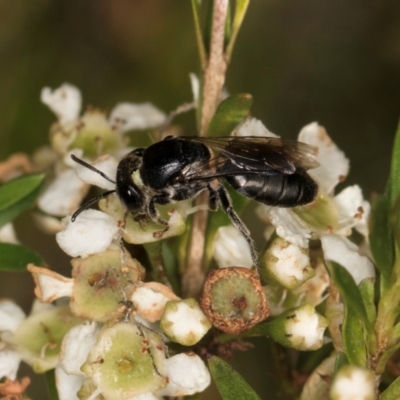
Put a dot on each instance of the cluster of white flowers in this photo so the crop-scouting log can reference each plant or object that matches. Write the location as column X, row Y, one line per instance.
column 108, row 331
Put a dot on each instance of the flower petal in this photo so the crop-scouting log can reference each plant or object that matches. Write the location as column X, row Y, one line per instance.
column 106, row 164
column 9, row 363
column 65, row 102
column 91, row 233
column 7, row 234
column 50, row 285
column 76, row 346
column 288, row 225
column 253, row 127
column 128, row 116
column 187, row 375
column 334, row 164
column 150, row 298
column 63, row 195
column 342, row 251
column 11, row 316
column 67, row 385
column 353, row 209
column 231, row 249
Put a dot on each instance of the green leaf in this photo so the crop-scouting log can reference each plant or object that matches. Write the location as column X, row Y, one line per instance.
column 392, row 392
column 229, row 114
column 15, row 258
column 350, row 292
column 240, row 12
column 230, row 384
column 51, row 385
column 381, row 238
column 395, row 170
column 367, row 291
column 17, row 195
column 171, row 266
column 353, row 338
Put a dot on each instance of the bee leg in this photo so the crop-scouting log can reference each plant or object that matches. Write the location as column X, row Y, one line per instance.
column 237, row 222
column 212, row 198
column 153, row 213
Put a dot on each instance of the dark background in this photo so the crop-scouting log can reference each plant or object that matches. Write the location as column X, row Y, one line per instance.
column 335, row 62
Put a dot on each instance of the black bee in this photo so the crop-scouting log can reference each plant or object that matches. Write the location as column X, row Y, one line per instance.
column 267, row 169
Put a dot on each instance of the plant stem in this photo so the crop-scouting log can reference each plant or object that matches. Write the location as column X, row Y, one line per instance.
column 213, row 78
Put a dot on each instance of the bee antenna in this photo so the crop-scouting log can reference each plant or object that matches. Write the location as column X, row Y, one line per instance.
column 89, row 203
column 85, row 164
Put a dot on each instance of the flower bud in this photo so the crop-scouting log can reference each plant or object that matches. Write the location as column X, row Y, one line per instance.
column 231, row 248
column 286, row 264
column 300, row 328
column 351, row 383
column 184, row 322
column 233, row 299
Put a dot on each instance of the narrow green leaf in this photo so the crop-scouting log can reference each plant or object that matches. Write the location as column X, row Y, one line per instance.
column 367, row 290
column 381, row 238
column 199, row 35
column 229, row 114
column 395, row 170
column 51, row 385
column 17, row 195
column 341, row 360
column 15, row 258
column 230, row 384
column 240, row 12
column 353, row 338
column 350, row 292
column 392, row 392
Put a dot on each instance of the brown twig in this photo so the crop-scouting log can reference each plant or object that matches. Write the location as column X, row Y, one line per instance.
column 214, row 78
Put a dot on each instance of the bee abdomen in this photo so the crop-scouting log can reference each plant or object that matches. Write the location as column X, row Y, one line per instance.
column 278, row 189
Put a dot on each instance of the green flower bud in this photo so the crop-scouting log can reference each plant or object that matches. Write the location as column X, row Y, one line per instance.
column 301, row 328
column 184, row 322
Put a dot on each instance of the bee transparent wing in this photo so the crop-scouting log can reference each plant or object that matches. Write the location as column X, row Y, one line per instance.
column 252, row 154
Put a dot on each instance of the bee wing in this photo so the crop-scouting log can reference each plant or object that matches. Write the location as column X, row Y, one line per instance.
column 252, row 154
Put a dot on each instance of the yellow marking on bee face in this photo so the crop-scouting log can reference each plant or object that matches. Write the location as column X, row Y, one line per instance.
column 137, row 179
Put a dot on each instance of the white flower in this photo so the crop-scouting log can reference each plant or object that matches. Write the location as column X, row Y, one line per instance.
column 230, row 248
column 63, row 195
column 353, row 383
column 7, row 234
column 187, row 375
column 129, row 116
column 301, row 328
column 49, row 285
column 253, row 127
column 92, row 232
column 328, row 214
column 67, row 384
column 11, row 316
column 149, row 300
column 184, row 322
column 65, row 102
column 76, row 346
column 24, row 338
column 286, row 263
column 342, row 251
